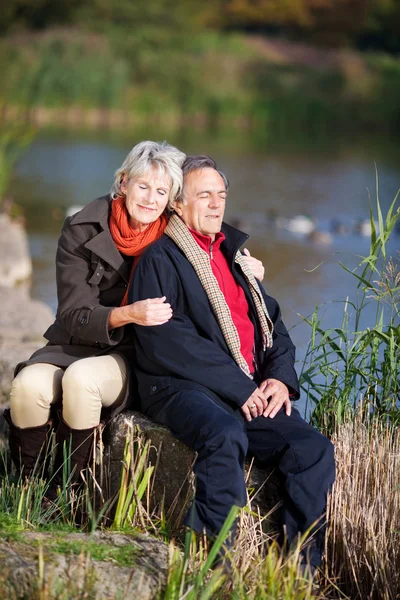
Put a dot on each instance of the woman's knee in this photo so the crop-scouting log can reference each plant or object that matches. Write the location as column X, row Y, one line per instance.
column 88, row 385
column 33, row 391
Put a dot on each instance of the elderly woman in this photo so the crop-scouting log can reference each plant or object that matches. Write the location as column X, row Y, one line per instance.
column 85, row 363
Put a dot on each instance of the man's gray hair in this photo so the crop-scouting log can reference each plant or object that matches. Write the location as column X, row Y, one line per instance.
column 196, row 162
column 146, row 155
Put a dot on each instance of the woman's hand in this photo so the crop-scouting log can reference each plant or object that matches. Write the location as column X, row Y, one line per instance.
column 255, row 265
column 153, row 311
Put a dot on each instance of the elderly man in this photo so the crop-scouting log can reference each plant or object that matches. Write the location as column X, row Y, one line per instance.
column 220, row 374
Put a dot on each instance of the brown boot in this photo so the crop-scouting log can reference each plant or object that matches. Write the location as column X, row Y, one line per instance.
column 74, row 447
column 28, row 447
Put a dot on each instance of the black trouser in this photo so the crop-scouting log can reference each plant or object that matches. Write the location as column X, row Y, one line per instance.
column 222, row 437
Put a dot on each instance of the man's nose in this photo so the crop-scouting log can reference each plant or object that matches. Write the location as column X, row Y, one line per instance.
column 215, row 201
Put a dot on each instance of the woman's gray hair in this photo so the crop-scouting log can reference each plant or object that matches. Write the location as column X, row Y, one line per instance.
column 194, row 163
column 146, row 155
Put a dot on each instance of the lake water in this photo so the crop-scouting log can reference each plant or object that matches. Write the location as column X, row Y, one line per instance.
column 272, row 178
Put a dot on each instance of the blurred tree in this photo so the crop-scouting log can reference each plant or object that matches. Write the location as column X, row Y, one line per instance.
column 331, row 22
column 37, row 14
column 382, row 29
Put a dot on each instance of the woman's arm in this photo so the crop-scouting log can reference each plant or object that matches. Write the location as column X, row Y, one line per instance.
column 79, row 306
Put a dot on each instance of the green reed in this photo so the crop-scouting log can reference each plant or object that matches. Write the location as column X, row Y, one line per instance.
column 360, row 358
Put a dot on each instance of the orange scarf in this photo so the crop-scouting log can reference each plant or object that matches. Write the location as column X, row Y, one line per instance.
column 129, row 241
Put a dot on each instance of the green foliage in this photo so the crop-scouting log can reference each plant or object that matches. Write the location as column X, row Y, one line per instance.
column 14, row 139
column 122, row 555
column 63, row 70
column 360, row 360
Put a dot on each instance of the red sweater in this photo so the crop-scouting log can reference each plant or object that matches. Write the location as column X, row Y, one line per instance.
column 233, row 292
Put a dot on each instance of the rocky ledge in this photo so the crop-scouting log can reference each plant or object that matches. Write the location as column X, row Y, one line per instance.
column 102, row 565
column 173, row 479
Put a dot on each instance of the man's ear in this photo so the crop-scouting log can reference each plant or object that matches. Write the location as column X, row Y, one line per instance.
column 177, row 207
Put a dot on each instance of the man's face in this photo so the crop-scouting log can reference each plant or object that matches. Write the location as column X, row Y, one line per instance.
column 205, row 196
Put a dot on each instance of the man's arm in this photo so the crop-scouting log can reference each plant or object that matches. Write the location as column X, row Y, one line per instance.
column 279, row 360
column 177, row 347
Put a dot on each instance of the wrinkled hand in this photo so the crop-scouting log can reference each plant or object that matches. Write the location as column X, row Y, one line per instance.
column 277, row 394
column 153, row 311
column 255, row 405
column 255, row 265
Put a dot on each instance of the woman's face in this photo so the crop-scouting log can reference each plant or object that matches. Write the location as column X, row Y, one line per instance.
column 146, row 197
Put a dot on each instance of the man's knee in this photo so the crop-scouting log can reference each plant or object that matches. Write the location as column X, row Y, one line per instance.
column 225, row 431
column 317, row 449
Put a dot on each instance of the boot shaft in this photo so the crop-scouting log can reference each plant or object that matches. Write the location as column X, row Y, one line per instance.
column 29, row 447
column 74, row 448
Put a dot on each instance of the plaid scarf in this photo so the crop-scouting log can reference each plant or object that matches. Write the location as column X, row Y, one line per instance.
column 200, row 261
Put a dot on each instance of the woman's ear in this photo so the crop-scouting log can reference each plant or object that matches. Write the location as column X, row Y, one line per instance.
column 123, row 183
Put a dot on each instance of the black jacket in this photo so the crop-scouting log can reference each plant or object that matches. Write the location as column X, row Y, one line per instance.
column 190, row 351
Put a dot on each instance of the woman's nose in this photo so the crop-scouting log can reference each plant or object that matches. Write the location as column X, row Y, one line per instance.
column 150, row 196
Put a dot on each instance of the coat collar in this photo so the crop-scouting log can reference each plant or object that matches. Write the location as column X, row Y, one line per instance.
column 234, row 238
column 102, row 244
column 96, row 211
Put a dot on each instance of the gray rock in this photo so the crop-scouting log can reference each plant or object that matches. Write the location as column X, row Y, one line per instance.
column 173, row 479
column 22, row 323
column 15, row 263
column 80, row 575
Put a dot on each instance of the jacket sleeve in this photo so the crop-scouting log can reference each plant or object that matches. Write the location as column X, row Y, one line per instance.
column 279, row 360
column 177, row 348
column 79, row 307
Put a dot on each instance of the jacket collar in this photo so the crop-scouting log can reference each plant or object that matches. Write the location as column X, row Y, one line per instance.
column 102, row 244
column 234, row 238
column 94, row 212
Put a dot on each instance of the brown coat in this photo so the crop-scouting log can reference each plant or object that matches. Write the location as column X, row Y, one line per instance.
column 92, row 277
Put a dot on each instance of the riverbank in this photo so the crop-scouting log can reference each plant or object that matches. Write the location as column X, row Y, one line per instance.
column 216, row 79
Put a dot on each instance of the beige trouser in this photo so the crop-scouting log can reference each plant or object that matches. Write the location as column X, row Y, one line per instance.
column 83, row 388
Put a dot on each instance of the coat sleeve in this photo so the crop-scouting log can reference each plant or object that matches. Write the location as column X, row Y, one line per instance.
column 279, row 360
column 79, row 307
column 177, row 348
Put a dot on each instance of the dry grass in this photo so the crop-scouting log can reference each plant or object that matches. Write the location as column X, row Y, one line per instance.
column 363, row 546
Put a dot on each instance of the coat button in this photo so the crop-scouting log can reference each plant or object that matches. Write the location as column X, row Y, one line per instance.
column 83, row 320
column 154, row 388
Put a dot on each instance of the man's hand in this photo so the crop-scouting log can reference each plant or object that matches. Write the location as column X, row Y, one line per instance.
column 255, row 265
column 255, row 405
column 278, row 395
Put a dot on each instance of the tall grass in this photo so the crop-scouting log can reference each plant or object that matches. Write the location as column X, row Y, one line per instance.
column 363, row 544
column 361, row 356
